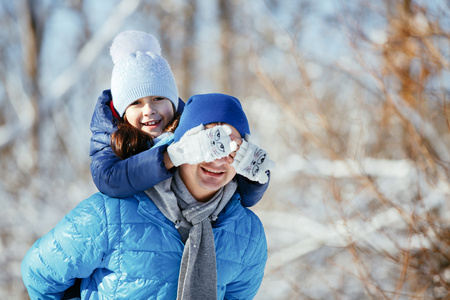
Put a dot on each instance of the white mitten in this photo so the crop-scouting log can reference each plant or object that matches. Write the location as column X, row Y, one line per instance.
column 252, row 162
column 198, row 145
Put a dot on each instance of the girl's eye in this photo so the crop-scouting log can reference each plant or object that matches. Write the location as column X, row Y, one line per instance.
column 159, row 98
column 135, row 102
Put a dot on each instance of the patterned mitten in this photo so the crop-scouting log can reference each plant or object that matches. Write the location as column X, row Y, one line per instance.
column 198, row 145
column 252, row 162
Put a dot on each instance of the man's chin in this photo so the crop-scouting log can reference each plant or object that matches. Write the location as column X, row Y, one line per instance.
column 212, row 184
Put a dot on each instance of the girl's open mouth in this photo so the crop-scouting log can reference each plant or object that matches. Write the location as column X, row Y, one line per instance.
column 151, row 123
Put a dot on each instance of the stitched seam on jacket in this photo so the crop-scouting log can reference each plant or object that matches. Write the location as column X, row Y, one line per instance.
column 119, row 249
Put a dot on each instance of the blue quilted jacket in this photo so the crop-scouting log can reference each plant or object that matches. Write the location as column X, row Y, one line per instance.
column 127, row 249
column 124, row 178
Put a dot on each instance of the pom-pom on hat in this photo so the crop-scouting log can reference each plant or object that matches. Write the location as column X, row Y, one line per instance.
column 212, row 108
column 139, row 70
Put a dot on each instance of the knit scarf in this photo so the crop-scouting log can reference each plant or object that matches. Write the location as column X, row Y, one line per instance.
column 198, row 272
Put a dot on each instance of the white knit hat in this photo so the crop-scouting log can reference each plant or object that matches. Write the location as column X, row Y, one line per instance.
column 139, row 70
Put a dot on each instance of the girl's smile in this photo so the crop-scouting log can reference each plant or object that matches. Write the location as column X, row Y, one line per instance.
column 150, row 114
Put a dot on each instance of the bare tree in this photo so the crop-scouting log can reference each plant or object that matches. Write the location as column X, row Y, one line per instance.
column 354, row 124
column 349, row 98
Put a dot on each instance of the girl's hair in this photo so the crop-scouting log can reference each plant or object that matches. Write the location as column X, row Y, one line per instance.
column 127, row 140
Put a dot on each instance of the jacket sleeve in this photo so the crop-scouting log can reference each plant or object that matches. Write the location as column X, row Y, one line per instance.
column 73, row 249
column 124, row 178
column 251, row 191
column 116, row 177
column 247, row 283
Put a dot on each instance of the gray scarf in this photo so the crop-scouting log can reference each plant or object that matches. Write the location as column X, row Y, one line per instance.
column 198, row 273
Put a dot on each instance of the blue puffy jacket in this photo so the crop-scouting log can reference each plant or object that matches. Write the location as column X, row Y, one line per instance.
column 124, row 178
column 127, row 249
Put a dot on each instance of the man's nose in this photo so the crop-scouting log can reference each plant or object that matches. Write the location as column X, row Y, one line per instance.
column 221, row 161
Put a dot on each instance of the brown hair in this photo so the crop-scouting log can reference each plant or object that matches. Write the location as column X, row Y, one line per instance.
column 127, row 140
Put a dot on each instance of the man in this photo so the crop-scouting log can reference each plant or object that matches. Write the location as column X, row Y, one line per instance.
column 186, row 238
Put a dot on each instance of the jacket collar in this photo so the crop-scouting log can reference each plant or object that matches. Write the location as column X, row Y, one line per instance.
column 147, row 209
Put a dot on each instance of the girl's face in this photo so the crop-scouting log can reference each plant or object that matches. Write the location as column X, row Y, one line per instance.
column 150, row 114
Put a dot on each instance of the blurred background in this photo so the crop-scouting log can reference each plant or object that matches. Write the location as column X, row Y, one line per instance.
column 350, row 98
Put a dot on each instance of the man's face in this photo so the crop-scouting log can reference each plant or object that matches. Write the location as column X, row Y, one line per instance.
column 203, row 180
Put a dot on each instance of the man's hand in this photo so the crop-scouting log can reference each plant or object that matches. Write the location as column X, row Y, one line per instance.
column 198, row 145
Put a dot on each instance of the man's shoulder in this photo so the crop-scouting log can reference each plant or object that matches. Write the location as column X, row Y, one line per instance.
column 241, row 226
column 243, row 217
column 256, row 225
column 105, row 205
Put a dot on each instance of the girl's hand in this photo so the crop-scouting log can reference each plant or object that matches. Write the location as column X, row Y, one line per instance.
column 199, row 144
column 251, row 162
column 232, row 155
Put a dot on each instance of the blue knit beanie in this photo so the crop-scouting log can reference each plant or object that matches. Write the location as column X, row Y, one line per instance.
column 212, row 108
column 139, row 70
